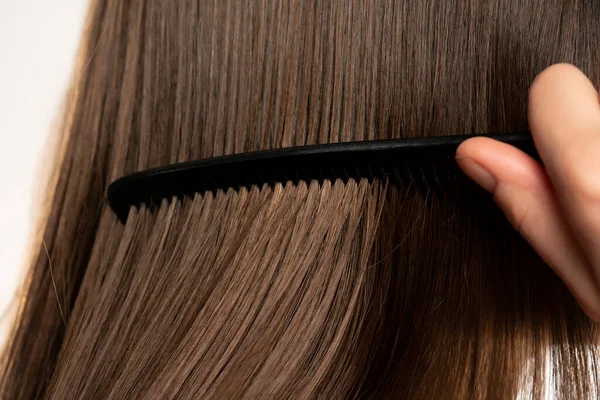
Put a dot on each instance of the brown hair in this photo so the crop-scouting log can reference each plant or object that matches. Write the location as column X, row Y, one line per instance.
column 337, row 290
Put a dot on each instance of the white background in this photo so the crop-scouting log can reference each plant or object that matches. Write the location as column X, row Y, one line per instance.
column 38, row 44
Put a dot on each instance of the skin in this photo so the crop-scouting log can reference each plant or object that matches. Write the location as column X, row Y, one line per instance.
column 556, row 208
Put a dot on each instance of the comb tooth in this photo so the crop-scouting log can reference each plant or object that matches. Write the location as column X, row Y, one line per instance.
column 425, row 176
column 390, row 173
column 327, row 174
column 436, row 171
column 356, row 172
column 267, row 179
column 298, row 178
column 440, row 172
column 370, row 174
column 212, row 187
column 234, row 182
column 396, row 175
column 444, row 173
column 359, row 173
column 248, row 181
column 406, row 174
column 413, row 172
column 203, row 188
column 271, row 177
column 345, row 175
column 382, row 171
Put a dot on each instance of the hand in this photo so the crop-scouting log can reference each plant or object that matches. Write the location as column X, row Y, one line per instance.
column 556, row 209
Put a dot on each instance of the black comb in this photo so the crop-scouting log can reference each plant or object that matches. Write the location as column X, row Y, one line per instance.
column 400, row 161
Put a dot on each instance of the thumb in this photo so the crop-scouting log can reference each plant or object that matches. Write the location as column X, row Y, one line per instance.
column 523, row 191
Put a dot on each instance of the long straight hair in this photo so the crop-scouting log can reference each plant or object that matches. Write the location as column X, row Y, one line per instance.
column 335, row 290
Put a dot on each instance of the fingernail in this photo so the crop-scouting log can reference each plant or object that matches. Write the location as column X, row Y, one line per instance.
column 476, row 172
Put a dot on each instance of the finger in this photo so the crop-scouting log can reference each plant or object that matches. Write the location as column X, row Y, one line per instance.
column 523, row 191
column 564, row 114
